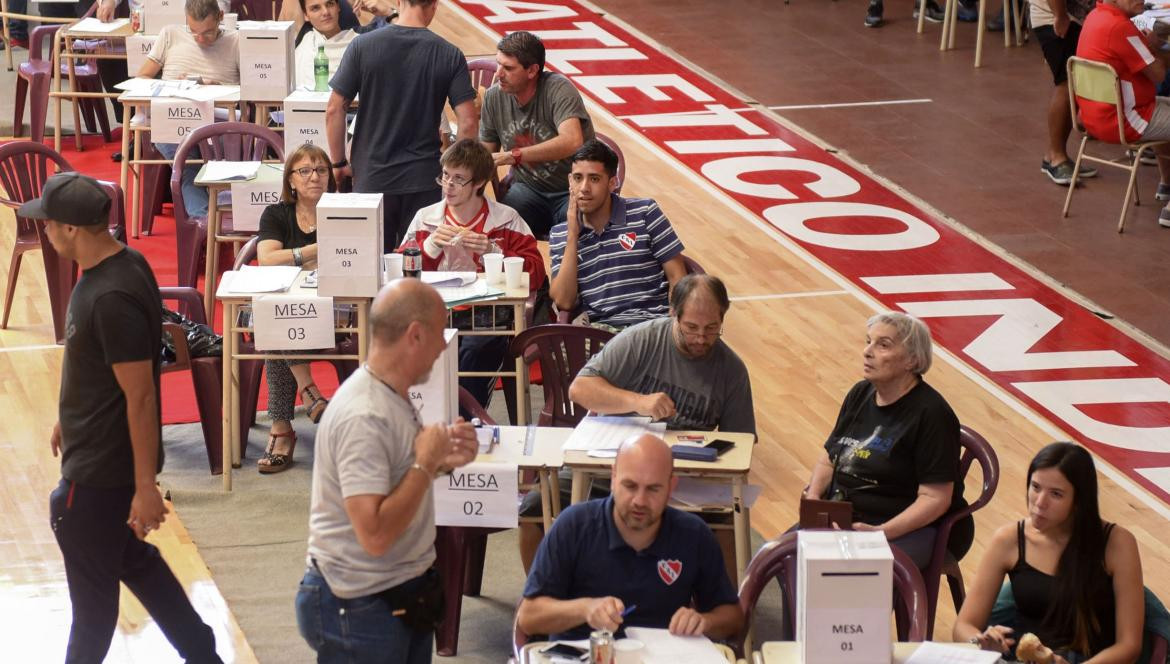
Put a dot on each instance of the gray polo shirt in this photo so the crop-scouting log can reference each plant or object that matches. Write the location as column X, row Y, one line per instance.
column 365, row 445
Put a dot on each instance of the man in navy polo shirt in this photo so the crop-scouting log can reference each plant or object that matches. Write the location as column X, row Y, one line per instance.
column 615, row 257
column 630, row 560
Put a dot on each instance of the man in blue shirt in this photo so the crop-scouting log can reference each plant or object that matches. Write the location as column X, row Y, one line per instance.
column 630, row 560
column 615, row 257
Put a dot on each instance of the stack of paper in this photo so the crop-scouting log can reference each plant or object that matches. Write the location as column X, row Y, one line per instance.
column 697, row 493
column 477, row 291
column 605, row 433
column 945, row 653
column 263, row 279
column 440, row 279
column 91, row 25
column 662, row 647
column 224, row 171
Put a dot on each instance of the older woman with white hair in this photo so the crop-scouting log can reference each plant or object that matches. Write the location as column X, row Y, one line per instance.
column 894, row 451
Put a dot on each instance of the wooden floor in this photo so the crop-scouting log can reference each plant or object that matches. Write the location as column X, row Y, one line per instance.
column 802, row 343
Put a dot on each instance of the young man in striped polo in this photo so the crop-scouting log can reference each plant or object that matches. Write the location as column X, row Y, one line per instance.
column 614, row 258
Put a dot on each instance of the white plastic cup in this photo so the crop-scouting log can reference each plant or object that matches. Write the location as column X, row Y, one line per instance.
column 493, row 268
column 628, row 651
column 392, row 262
column 513, row 268
column 229, row 21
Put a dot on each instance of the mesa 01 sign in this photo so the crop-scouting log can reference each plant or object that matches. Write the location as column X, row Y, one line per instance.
column 1103, row 387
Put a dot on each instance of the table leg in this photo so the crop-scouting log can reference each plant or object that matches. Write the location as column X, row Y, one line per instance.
column 212, row 246
column 363, row 331
column 523, row 407
column 136, row 208
column 545, row 497
column 742, row 522
column 579, row 487
column 228, row 417
column 53, row 57
column 7, row 36
column 70, row 64
column 555, row 482
column 124, row 170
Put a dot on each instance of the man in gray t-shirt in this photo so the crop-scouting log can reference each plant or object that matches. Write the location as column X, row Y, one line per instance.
column 533, row 120
column 675, row 369
column 372, row 518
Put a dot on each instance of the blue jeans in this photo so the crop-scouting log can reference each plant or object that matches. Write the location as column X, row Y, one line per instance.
column 541, row 210
column 194, row 196
column 100, row 551
column 355, row 631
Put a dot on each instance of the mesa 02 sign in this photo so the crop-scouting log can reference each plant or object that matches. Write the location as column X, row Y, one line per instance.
column 1104, row 388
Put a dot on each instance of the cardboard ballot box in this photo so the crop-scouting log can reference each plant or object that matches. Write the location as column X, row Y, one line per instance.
column 304, row 119
column 844, row 597
column 349, row 245
column 266, row 60
column 157, row 14
column 437, row 400
column 137, row 47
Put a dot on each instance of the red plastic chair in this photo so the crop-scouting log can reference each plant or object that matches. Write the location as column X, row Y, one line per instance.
column 561, row 350
column 483, row 72
column 206, row 374
column 24, row 167
column 33, row 78
column 155, row 181
column 942, row 562
column 776, row 559
column 224, row 141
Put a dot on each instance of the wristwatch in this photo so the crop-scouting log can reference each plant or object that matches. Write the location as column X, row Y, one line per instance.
column 341, row 164
column 517, row 156
column 297, row 260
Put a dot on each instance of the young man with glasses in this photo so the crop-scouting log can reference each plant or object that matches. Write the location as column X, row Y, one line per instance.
column 199, row 48
column 616, row 258
column 456, row 232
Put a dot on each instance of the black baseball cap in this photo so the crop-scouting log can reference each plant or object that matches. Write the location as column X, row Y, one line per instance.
column 70, row 198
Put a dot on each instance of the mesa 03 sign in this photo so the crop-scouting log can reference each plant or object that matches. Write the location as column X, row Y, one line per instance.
column 1106, row 389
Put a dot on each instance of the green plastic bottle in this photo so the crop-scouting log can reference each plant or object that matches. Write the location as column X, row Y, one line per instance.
column 321, row 71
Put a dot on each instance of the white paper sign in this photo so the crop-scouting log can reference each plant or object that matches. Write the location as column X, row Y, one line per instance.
column 437, row 400
column 287, row 322
column 172, row 119
column 159, row 13
column 479, row 494
column 249, row 199
column 137, row 46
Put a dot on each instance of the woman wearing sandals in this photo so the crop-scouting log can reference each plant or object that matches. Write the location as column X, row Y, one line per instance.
column 1076, row 580
column 288, row 236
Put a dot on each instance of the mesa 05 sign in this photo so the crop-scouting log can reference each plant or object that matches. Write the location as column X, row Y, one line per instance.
column 1102, row 386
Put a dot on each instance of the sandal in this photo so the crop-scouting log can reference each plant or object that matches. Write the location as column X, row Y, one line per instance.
column 315, row 406
column 272, row 462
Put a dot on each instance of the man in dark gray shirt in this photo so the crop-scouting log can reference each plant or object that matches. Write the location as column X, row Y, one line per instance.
column 675, row 369
column 533, row 120
column 402, row 74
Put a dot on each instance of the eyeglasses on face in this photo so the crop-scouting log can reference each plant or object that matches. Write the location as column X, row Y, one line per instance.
column 206, row 34
column 445, row 179
column 305, row 172
column 695, row 332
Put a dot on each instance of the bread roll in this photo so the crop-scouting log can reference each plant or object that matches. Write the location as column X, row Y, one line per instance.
column 1029, row 649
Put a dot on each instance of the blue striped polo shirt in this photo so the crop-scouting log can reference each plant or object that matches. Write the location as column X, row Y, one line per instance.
column 620, row 281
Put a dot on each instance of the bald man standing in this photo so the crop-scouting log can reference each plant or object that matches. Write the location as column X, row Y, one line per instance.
column 370, row 592
column 630, row 560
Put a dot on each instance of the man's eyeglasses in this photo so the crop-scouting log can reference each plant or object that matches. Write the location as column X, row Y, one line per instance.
column 206, row 34
column 320, row 171
column 695, row 332
column 444, row 180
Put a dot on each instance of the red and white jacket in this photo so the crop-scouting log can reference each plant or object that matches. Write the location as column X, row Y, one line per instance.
column 504, row 227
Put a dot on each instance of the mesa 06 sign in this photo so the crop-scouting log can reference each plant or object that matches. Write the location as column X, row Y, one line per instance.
column 1100, row 385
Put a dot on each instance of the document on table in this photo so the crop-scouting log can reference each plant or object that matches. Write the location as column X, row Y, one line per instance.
column 438, row 279
column 224, row 171
column 607, row 432
column 475, row 292
column 662, row 647
column 208, row 92
column 943, row 653
column 93, row 25
column 263, row 279
column 153, row 87
column 694, row 492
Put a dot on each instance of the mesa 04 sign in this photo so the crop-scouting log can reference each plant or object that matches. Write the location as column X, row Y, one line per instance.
column 1106, row 389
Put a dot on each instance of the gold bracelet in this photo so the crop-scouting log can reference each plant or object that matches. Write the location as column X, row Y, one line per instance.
column 426, row 472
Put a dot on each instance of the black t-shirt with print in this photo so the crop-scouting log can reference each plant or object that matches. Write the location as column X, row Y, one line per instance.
column 114, row 316
column 883, row 453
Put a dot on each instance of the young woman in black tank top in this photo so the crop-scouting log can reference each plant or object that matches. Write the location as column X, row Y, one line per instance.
column 1076, row 580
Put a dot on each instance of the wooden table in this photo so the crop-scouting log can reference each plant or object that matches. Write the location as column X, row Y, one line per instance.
column 788, row 652
column 63, row 49
column 130, row 162
column 530, row 653
column 266, row 173
column 732, row 467
column 517, row 298
column 232, row 303
column 6, row 16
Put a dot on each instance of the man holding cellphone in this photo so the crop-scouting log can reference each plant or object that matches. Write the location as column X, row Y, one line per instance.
column 629, row 559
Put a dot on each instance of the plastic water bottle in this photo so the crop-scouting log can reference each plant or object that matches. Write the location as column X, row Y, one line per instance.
column 412, row 260
column 321, row 71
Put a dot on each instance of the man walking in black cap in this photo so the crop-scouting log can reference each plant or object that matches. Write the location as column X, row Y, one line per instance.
column 108, row 433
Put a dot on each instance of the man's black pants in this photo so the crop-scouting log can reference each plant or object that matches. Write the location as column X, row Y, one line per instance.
column 100, row 551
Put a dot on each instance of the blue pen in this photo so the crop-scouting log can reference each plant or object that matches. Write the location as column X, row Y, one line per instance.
column 628, row 610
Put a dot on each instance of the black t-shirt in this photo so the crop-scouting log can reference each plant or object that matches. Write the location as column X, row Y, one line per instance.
column 883, row 453
column 115, row 316
column 404, row 76
column 279, row 222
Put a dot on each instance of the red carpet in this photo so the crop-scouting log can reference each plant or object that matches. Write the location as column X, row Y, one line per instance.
column 178, row 395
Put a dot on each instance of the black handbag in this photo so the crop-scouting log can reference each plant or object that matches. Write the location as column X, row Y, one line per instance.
column 202, row 341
